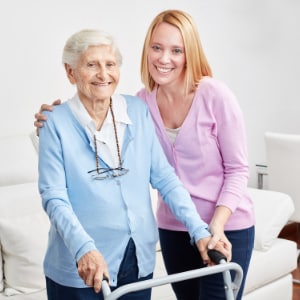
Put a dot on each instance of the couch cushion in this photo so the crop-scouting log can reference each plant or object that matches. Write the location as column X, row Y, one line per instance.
column 18, row 160
column 280, row 289
column 40, row 295
column 272, row 212
column 267, row 266
column 23, row 236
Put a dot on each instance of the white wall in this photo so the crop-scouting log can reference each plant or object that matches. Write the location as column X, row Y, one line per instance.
column 253, row 45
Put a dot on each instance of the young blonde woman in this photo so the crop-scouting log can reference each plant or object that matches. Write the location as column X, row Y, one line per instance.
column 200, row 126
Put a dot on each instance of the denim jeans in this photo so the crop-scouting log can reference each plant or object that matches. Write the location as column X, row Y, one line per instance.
column 128, row 273
column 179, row 255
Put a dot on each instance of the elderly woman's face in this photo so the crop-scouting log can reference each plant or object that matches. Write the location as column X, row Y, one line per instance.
column 96, row 75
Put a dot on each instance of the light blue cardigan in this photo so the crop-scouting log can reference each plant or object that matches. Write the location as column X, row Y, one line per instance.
column 89, row 214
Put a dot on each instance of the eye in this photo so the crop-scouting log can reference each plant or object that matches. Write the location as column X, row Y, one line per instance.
column 178, row 50
column 111, row 65
column 91, row 64
column 156, row 47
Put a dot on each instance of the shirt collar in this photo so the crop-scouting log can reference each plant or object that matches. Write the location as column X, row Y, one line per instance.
column 119, row 107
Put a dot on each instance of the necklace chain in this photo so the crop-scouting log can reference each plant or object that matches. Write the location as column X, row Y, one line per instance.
column 116, row 139
column 116, row 134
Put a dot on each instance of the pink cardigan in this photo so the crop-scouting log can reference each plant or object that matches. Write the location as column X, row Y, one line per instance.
column 209, row 155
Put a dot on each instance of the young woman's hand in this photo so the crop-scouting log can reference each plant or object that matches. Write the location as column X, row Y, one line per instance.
column 216, row 228
column 208, row 243
column 40, row 118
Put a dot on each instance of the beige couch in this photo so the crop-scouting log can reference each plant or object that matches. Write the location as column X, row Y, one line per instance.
column 24, row 227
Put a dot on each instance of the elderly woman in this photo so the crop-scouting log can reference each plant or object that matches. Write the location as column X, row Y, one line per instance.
column 98, row 152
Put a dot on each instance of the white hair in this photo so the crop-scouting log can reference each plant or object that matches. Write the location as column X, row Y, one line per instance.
column 80, row 41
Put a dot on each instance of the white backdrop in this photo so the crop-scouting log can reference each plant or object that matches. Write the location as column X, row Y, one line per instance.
column 252, row 45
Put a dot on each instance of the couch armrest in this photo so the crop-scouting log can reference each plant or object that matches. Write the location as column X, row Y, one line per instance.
column 272, row 212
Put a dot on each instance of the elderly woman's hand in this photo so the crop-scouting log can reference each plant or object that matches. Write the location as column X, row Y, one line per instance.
column 92, row 268
column 202, row 246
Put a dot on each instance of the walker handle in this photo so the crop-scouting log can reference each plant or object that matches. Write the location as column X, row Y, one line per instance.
column 216, row 256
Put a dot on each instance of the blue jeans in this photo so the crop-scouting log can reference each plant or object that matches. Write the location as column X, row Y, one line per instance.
column 179, row 255
column 128, row 273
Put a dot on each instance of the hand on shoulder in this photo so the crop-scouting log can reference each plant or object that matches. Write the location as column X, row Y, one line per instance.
column 40, row 118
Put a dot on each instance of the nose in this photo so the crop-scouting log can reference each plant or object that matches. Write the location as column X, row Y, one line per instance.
column 101, row 73
column 164, row 57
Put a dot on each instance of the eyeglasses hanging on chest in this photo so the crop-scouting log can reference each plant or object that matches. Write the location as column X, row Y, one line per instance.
column 103, row 173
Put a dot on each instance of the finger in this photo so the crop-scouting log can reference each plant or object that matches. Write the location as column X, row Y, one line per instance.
column 97, row 283
column 45, row 107
column 56, row 102
column 229, row 255
column 98, row 278
column 204, row 256
column 38, row 124
column 89, row 281
column 224, row 250
column 206, row 260
column 84, row 275
column 213, row 241
column 40, row 117
column 227, row 249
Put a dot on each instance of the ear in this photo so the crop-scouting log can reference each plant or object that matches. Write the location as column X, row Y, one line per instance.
column 70, row 73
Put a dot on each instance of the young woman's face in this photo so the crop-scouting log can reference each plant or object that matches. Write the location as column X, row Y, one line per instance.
column 96, row 75
column 166, row 55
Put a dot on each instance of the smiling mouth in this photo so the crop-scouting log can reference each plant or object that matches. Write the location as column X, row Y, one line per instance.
column 101, row 83
column 164, row 70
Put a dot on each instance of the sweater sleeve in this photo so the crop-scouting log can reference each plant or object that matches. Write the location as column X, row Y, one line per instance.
column 53, row 190
column 231, row 136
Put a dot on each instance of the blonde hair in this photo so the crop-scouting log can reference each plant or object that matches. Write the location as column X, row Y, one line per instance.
column 196, row 63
